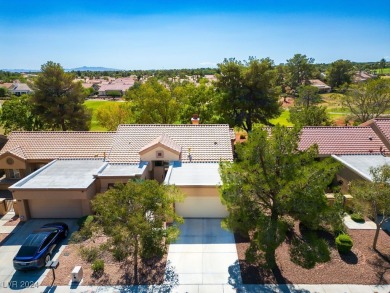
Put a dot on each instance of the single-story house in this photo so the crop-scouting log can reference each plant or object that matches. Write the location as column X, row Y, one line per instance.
column 320, row 85
column 57, row 173
column 19, row 89
column 350, row 145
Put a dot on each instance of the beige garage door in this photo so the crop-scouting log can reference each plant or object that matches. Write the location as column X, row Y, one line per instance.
column 55, row 209
column 201, row 207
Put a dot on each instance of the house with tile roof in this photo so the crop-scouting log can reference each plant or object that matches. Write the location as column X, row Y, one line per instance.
column 56, row 174
column 320, row 85
column 369, row 140
column 19, row 89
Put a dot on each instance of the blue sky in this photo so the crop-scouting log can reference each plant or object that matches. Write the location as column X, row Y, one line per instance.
column 189, row 34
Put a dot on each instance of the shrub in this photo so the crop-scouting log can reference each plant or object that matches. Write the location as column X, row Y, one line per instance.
column 242, row 136
column 84, row 221
column 357, row 218
column 119, row 253
column 344, row 243
column 89, row 254
column 98, row 267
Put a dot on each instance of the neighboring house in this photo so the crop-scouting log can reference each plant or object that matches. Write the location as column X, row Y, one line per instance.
column 114, row 89
column 320, row 85
column 370, row 140
column 361, row 76
column 83, row 164
column 19, row 89
column 56, row 174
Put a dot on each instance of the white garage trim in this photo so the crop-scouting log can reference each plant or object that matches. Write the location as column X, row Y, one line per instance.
column 71, row 208
column 201, row 207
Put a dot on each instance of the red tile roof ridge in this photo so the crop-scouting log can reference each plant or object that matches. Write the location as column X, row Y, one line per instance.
column 15, row 151
column 63, row 132
column 172, row 125
column 337, row 127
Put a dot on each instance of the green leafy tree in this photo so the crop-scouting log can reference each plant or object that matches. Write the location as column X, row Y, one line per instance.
column 307, row 96
column 309, row 116
column 58, row 100
column 299, row 70
column 340, row 72
column 17, row 114
column 195, row 99
column 133, row 216
column 372, row 197
column 248, row 92
column 368, row 100
column 3, row 92
column 152, row 103
column 270, row 181
column 382, row 65
column 111, row 115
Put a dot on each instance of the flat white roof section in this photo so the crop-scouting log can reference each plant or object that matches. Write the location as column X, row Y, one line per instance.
column 193, row 174
column 123, row 170
column 361, row 164
column 62, row 174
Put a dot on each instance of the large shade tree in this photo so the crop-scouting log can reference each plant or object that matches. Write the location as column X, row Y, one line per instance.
column 271, row 180
column 368, row 100
column 17, row 114
column 133, row 216
column 300, row 69
column 195, row 99
column 248, row 92
column 152, row 103
column 113, row 114
column 340, row 72
column 372, row 198
column 58, row 100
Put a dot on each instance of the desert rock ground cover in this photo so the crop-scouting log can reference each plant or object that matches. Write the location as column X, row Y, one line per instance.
column 362, row 266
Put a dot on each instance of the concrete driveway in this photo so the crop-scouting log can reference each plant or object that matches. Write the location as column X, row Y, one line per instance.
column 204, row 253
column 14, row 280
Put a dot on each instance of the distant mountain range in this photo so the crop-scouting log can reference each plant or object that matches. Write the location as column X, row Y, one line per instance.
column 83, row 68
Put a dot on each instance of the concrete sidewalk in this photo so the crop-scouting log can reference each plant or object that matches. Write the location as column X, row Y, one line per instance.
column 209, row 289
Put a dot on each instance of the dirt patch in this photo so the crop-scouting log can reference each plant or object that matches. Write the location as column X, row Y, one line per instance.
column 287, row 102
column 14, row 221
column 362, row 266
column 115, row 273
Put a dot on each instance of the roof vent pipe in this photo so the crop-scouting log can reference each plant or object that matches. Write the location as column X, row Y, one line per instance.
column 195, row 119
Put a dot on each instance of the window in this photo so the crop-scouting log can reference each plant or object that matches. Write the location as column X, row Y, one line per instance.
column 14, row 174
column 48, row 240
column 159, row 154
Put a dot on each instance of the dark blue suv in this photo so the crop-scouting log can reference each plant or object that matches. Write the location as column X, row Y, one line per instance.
column 37, row 249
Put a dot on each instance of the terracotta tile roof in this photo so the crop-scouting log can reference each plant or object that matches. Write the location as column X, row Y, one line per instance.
column 164, row 140
column 48, row 145
column 18, row 151
column 342, row 140
column 207, row 143
column 383, row 125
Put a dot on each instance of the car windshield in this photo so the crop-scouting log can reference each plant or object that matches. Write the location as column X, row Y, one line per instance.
column 32, row 243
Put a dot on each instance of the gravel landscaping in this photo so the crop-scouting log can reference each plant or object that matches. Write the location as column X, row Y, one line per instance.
column 115, row 273
column 362, row 266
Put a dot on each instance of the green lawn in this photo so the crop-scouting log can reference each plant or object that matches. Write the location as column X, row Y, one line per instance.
column 93, row 105
column 282, row 119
